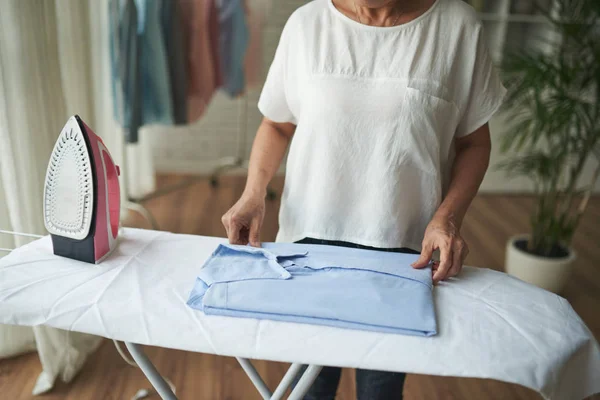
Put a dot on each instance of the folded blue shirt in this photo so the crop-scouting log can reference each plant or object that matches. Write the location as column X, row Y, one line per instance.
column 317, row 284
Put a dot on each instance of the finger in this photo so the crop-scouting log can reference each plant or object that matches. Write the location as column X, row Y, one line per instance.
column 445, row 263
column 465, row 253
column 457, row 258
column 244, row 234
column 225, row 222
column 234, row 231
column 254, row 236
column 434, row 268
column 425, row 257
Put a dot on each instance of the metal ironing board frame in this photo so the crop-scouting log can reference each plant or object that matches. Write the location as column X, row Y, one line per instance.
column 164, row 390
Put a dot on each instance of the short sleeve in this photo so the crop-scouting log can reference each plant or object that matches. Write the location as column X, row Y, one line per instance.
column 486, row 91
column 273, row 102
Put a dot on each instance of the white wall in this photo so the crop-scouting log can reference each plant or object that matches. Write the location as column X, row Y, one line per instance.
column 197, row 148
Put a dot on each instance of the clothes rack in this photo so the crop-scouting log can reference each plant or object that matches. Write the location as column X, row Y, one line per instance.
column 223, row 165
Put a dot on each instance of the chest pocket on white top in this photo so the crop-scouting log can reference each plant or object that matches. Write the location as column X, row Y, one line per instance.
column 432, row 121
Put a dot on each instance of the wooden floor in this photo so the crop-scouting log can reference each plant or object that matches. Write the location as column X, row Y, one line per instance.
column 198, row 209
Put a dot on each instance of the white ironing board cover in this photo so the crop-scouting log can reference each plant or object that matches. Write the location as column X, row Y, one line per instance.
column 490, row 325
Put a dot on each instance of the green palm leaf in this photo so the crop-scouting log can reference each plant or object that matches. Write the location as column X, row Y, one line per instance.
column 554, row 101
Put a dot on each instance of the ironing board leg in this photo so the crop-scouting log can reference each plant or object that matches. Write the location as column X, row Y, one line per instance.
column 255, row 378
column 150, row 371
column 305, row 382
column 163, row 389
column 286, row 381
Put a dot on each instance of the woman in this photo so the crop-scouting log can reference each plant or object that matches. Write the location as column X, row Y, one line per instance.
column 386, row 105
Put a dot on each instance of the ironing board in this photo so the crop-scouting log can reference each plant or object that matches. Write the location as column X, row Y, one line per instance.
column 490, row 325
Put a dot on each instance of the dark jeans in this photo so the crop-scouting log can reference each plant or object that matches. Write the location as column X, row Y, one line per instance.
column 370, row 385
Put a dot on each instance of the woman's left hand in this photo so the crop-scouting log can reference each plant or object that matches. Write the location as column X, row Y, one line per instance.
column 443, row 234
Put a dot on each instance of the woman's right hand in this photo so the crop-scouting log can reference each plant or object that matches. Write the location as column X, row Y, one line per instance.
column 244, row 220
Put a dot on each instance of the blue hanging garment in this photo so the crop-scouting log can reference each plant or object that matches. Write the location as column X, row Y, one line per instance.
column 233, row 43
column 316, row 284
column 173, row 37
column 124, row 62
column 140, row 72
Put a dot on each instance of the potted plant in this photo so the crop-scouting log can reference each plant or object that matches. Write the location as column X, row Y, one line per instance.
column 554, row 101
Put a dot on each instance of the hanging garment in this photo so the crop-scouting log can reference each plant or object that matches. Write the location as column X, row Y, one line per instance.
column 201, row 70
column 124, row 62
column 315, row 284
column 156, row 85
column 233, row 44
column 140, row 72
column 175, row 46
column 214, row 33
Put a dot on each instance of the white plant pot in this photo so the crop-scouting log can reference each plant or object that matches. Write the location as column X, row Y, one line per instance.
column 548, row 273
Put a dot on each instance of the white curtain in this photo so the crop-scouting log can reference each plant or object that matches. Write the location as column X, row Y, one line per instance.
column 53, row 63
column 13, row 339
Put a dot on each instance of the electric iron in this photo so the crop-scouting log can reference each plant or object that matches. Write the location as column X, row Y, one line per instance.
column 82, row 195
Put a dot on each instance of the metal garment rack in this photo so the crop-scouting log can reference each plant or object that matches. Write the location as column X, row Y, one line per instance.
column 223, row 165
